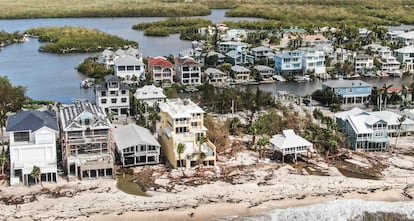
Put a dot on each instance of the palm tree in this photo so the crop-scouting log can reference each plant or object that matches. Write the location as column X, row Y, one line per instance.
column 385, row 94
column 4, row 160
column 180, row 150
column 36, row 174
column 3, row 121
column 201, row 141
column 262, row 143
column 253, row 130
column 400, row 122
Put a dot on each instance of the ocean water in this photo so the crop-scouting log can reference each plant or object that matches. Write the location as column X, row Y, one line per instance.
column 339, row 210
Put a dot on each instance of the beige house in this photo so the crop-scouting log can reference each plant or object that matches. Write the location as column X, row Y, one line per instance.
column 182, row 122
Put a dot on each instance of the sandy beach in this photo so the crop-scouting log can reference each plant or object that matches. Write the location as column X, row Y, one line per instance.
column 259, row 186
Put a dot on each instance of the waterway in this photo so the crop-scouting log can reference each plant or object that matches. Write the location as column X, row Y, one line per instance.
column 54, row 77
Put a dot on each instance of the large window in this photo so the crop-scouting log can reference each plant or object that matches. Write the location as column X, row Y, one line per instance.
column 121, row 68
column 21, row 136
column 113, row 100
column 123, row 100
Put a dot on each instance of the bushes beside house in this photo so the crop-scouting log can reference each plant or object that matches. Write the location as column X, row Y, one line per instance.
column 93, row 69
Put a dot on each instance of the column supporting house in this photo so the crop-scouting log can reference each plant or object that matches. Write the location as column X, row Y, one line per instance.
column 89, row 174
column 47, row 179
column 104, row 172
column 97, row 174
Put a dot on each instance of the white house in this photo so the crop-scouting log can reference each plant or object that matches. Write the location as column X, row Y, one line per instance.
column 216, row 77
column 290, row 143
column 405, row 55
column 136, row 146
column 150, row 95
column 188, row 70
column 240, row 73
column 129, row 67
column 265, row 71
column 313, row 61
column 406, row 38
column 113, row 96
column 227, row 46
column 363, row 62
column 33, row 137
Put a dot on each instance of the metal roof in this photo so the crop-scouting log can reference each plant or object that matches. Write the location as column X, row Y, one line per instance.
column 133, row 135
column 289, row 139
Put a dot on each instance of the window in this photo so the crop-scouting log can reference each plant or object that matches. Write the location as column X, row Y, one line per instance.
column 113, row 92
column 137, row 68
column 113, row 100
column 103, row 101
column 121, row 68
column 123, row 100
column 123, row 92
column 86, row 121
column 21, row 136
column 130, row 68
column 103, row 93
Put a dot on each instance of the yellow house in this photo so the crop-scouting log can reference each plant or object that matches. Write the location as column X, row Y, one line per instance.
column 182, row 122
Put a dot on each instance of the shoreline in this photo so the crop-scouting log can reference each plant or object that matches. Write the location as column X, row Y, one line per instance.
column 101, row 200
column 224, row 210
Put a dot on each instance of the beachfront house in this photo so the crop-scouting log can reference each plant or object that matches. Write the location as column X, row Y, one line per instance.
column 363, row 62
column 289, row 62
column 161, row 70
column 289, row 143
column 113, row 96
column 129, row 68
column 265, row 71
column 136, row 146
column 369, row 131
column 240, row 74
column 216, row 77
column 182, row 123
column 351, row 91
column 188, row 71
column 86, row 141
column 313, row 61
column 405, row 56
column 32, row 136
column 150, row 95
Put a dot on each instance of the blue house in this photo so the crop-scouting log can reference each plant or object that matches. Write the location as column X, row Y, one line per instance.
column 289, row 62
column 364, row 131
column 352, row 91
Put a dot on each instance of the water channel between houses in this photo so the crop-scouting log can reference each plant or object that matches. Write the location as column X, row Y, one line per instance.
column 54, row 77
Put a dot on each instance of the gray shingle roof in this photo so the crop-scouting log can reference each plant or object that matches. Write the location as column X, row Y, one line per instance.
column 32, row 120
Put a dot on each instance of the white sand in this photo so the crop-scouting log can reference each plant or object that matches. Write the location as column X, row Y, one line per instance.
column 251, row 195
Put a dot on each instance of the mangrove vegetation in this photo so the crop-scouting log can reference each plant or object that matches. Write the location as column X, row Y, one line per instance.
column 70, row 39
column 7, row 38
column 93, row 69
column 99, row 8
column 187, row 27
